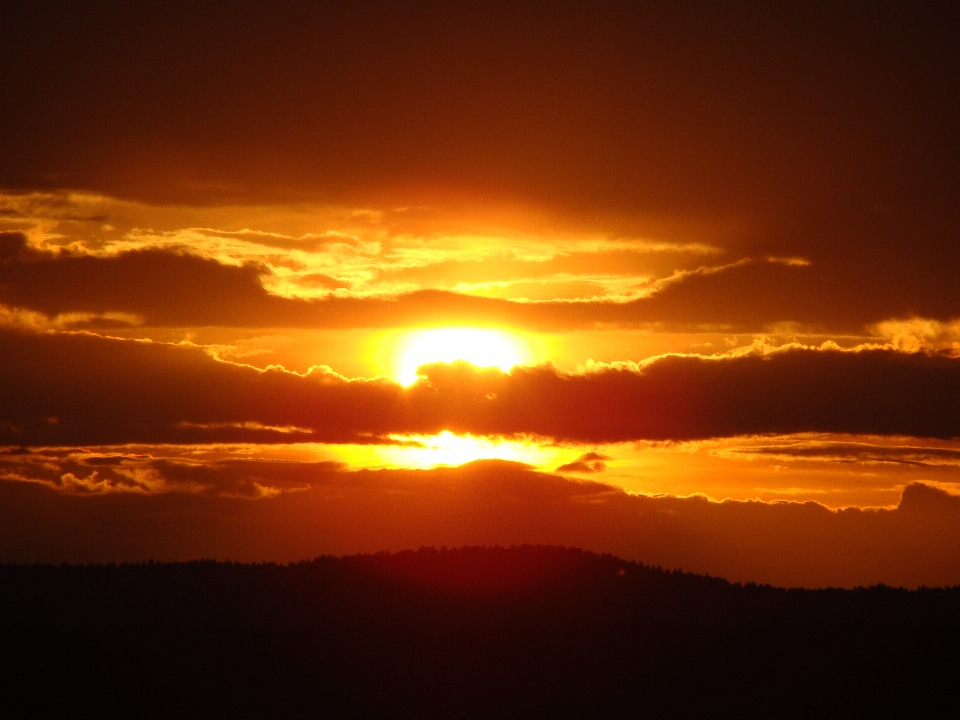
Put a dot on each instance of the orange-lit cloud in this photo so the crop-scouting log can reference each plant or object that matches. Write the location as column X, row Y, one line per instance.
column 76, row 389
column 176, row 288
column 227, row 510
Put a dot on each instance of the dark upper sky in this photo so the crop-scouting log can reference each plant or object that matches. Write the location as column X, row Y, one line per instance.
column 818, row 131
column 624, row 108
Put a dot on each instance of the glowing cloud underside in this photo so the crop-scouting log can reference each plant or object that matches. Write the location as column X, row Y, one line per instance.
column 452, row 450
column 480, row 347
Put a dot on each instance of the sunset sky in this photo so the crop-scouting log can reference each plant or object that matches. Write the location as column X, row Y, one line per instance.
column 667, row 280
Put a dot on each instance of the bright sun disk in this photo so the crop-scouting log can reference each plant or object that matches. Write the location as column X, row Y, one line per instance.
column 478, row 346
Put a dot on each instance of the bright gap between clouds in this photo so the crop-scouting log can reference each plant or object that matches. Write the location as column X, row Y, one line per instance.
column 449, row 449
column 481, row 347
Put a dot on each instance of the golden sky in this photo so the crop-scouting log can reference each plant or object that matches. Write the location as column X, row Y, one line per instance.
column 644, row 279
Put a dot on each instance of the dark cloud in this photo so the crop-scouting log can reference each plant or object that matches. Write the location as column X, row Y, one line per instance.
column 14, row 248
column 118, row 470
column 163, row 287
column 71, row 389
column 490, row 502
column 78, row 389
column 590, row 462
column 177, row 289
column 854, row 452
column 830, row 295
column 691, row 397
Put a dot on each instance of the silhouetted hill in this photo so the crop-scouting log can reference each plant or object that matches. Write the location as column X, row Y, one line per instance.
column 473, row 632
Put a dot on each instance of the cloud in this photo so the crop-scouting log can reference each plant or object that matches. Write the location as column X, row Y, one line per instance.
column 174, row 288
column 678, row 397
column 16, row 248
column 74, row 389
column 899, row 451
column 163, row 287
column 590, row 462
column 78, row 389
column 158, row 471
column 567, row 270
column 246, row 510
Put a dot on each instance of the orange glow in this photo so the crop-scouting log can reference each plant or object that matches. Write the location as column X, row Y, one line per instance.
column 447, row 448
column 482, row 347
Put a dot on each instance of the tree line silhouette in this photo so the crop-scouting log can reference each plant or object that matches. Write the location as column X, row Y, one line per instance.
column 470, row 632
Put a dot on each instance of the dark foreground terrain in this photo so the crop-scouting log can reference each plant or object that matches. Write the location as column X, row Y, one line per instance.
column 475, row 632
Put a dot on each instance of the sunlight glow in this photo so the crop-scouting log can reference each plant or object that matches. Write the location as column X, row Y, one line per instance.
column 449, row 449
column 481, row 347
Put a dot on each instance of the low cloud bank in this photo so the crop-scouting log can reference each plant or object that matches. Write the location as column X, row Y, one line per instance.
column 208, row 509
column 76, row 389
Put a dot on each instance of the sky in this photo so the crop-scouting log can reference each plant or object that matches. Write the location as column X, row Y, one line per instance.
column 678, row 281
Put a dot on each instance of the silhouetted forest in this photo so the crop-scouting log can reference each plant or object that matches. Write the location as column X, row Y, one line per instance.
column 472, row 632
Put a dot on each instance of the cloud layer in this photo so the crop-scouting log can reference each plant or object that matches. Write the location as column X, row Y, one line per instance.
column 173, row 287
column 68, row 389
column 492, row 502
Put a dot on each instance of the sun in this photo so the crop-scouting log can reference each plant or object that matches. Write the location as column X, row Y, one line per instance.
column 452, row 450
column 482, row 347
